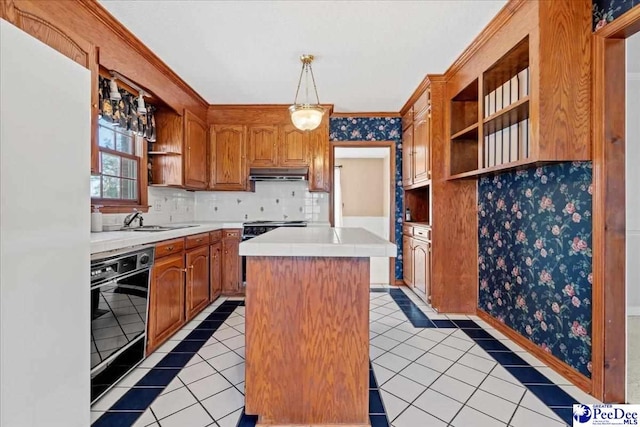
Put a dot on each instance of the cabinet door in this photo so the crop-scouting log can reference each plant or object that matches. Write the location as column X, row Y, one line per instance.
column 407, row 156
column 319, row 173
column 228, row 157
column 166, row 300
column 407, row 261
column 262, row 146
column 293, row 147
column 422, row 267
column 215, row 270
column 195, row 151
column 421, row 147
column 197, row 280
column 230, row 266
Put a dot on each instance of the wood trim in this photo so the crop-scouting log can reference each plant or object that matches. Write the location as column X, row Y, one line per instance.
column 392, row 194
column 501, row 18
column 369, row 114
column 560, row 367
column 97, row 10
column 623, row 26
column 609, row 317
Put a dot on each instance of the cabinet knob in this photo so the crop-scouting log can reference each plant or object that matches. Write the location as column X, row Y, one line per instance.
column 199, row 240
column 169, row 248
column 184, row 270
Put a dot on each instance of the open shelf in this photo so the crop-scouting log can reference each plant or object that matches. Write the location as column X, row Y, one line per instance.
column 464, row 108
column 506, row 117
column 470, row 132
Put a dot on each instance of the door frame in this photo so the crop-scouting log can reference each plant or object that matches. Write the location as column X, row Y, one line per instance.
column 392, row 188
column 608, row 381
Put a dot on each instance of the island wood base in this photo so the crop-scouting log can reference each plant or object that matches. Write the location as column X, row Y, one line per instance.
column 307, row 341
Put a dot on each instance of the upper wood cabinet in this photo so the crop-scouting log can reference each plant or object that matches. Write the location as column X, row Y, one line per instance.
column 195, row 152
column 513, row 100
column 407, row 156
column 416, row 142
column 28, row 17
column 294, row 146
column 228, row 146
column 262, row 146
column 319, row 173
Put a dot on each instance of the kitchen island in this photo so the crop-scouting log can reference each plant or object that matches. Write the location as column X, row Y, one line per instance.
column 307, row 325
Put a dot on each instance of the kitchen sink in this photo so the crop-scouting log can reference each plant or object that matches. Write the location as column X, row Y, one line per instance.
column 158, row 227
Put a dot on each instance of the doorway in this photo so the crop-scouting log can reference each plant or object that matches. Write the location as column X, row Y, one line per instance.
column 363, row 196
column 632, row 179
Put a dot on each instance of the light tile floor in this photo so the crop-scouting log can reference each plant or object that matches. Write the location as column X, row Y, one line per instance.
column 427, row 376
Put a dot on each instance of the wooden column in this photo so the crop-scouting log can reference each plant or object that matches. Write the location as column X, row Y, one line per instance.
column 307, row 341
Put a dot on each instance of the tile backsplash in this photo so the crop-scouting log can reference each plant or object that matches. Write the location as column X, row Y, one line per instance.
column 289, row 201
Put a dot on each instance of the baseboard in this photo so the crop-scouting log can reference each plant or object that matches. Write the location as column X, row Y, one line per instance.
column 554, row 363
column 400, row 282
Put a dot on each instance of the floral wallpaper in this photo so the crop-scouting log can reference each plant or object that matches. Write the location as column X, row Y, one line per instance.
column 376, row 129
column 605, row 11
column 535, row 256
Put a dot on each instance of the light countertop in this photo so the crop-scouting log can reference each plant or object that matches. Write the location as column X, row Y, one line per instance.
column 112, row 240
column 319, row 241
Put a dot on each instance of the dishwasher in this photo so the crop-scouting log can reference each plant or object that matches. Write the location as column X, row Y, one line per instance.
column 119, row 305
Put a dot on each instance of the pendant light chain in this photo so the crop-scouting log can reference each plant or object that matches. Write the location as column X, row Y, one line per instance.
column 295, row 101
column 314, row 85
column 306, row 69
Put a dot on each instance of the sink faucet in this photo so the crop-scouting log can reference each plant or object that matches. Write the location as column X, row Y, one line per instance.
column 136, row 214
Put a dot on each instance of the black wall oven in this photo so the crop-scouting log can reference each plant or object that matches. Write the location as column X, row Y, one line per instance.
column 119, row 304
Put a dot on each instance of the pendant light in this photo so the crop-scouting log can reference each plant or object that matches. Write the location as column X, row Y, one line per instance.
column 306, row 116
column 141, row 107
column 114, row 93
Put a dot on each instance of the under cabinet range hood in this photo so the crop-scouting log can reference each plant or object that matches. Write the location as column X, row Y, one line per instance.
column 276, row 175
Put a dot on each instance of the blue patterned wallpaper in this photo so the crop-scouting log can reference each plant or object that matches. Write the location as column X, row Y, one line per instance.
column 605, row 11
column 535, row 256
column 376, row 129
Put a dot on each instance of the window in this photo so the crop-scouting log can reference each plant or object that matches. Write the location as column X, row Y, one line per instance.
column 118, row 182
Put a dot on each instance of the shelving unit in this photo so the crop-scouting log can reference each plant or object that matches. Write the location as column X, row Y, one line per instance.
column 464, row 129
column 165, row 155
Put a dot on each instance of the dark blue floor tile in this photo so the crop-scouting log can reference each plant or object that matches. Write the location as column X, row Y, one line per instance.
column 528, row 375
column 467, row 324
column 210, row 325
column 216, row 315
column 379, row 421
column 117, row 419
column 379, row 290
column 565, row 413
column 375, row 402
column 508, row 358
column 199, row 335
column 372, row 380
column 442, row 323
column 157, row 378
column 247, row 420
column 552, row 395
column 492, row 345
column 188, row 347
column 136, row 399
column 422, row 323
column 478, row 334
column 174, row 360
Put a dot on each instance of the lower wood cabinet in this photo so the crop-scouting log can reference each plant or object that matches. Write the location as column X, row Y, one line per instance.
column 215, row 270
column 416, row 257
column 166, row 300
column 231, row 266
column 197, row 280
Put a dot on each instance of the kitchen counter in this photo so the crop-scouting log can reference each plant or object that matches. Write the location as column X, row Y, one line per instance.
column 318, row 242
column 113, row 240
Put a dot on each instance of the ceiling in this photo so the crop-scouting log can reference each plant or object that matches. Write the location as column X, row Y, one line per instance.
column 370, row 54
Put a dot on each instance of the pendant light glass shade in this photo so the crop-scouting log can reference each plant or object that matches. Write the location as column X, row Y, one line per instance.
column 306, row 116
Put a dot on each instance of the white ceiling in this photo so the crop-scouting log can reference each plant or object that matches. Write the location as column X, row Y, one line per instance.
column 361, row 152
column 370, row 55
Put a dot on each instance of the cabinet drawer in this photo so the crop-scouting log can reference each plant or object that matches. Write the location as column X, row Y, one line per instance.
column 197, row 240
column 214, row 236
column 421, row 104
column 407, row 230
column 169, row 247
column 231, row 234
column 407, row 118
column 422, row 232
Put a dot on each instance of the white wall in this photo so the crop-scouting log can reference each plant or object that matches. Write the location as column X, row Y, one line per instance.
column 633, row 175
column 44, row 235
column 289, row 201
